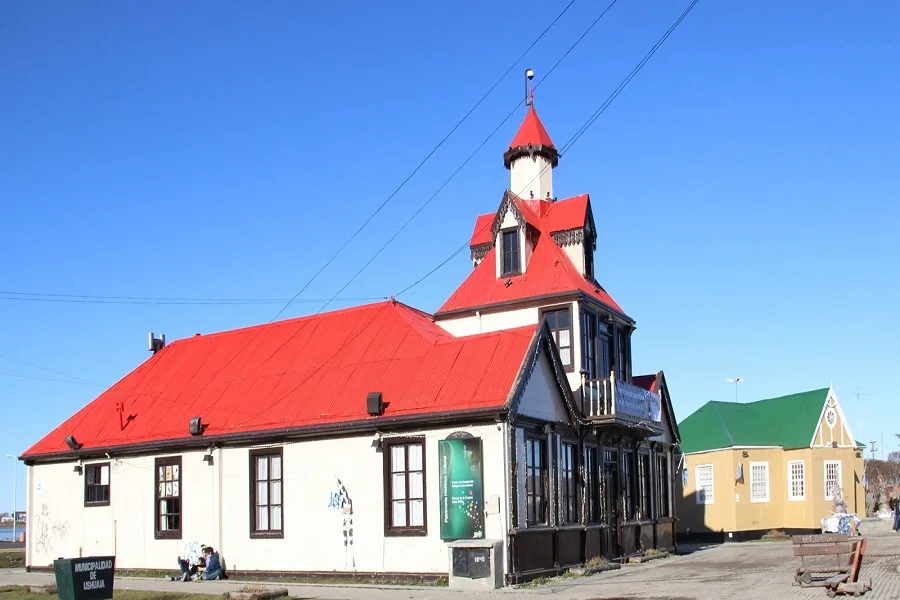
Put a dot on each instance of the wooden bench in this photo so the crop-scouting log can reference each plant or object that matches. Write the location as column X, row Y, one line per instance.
column 832, row 561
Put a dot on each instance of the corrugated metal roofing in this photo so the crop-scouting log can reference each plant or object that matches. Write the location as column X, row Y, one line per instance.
column 531, row 131
column 301, row 372
column 786, row 421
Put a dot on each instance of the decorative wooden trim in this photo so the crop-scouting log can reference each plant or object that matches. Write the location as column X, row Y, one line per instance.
column 531, row 150
column 479, row 251
column 568, row 237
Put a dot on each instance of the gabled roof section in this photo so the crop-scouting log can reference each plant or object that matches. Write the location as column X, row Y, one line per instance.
column 786, row 421
column 300, row 374
column 549, row 270
column 657, row 383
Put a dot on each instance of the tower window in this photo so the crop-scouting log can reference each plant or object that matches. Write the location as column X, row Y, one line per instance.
column 588, row 259
column 510, row 248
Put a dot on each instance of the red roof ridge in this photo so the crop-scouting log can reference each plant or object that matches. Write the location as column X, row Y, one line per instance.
column 288, row 321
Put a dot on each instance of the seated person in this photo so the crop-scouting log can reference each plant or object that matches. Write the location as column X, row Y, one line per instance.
column 213, row 567
column 191, row 563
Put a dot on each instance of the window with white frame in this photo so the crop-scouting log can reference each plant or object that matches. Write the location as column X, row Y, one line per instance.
column 832, row 478
column 704, row 476
column 759, row 482
column 796, row 480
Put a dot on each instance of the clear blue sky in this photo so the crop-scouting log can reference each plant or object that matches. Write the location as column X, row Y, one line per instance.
column 745, row 185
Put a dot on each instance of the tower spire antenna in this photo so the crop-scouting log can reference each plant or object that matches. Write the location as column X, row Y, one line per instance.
column 529, row 88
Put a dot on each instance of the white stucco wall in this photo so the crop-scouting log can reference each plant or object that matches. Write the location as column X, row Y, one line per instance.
column 575, row 252
column 531, row 174
column 485, row 322
column 541, row 386
column 216, row 509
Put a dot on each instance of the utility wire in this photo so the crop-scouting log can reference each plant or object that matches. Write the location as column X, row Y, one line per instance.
column 465, row 162
column 149, row 300
column 575, row 137
column 39, row 367
column 424, row 160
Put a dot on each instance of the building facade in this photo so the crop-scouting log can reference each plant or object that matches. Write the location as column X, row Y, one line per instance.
column 772, row 464
column 363, row 441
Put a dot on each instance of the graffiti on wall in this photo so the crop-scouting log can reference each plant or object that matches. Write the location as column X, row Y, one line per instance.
column 47, row 530
column 339, row 500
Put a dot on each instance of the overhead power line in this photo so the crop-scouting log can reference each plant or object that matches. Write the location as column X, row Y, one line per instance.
column 466, row 161
column 575, row 137
column 150, row 300
column 422, row 162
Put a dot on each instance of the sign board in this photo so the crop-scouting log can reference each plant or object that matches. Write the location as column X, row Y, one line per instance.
column 638, row 402
column 461, row 488
column 89, row 578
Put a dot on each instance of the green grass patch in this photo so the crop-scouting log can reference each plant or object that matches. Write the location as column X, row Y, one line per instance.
column 542, row 581
column 12, row 559
column 23, row 593
column 287, row 579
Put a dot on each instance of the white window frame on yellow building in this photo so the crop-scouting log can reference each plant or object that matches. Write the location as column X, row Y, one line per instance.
column 840, row 477
column 707, row 498
column 753, row 480
column 790, row 480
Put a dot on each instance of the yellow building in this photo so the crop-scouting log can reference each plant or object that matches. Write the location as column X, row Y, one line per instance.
column 772, row 464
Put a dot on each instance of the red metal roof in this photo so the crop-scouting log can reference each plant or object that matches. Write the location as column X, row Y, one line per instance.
column 570, row 213
column 531, row 131
column 301, row 372
column 647, row 382
column 549, row 270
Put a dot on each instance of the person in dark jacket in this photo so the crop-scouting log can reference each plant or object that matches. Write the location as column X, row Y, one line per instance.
column 213, row 568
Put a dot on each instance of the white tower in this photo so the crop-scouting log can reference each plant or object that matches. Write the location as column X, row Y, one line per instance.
column 531, row 158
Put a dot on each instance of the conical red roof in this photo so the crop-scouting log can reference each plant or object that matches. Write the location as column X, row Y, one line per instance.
column 532, row 131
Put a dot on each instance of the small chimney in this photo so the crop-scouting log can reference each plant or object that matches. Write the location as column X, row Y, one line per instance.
column 155, row 344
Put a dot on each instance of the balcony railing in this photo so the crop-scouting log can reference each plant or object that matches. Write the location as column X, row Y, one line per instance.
column 611, row 398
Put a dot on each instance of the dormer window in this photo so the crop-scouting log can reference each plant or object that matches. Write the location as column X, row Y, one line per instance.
column 510, row 252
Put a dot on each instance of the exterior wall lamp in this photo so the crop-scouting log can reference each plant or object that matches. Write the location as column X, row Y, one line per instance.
column 208, row 459
column 746, row 454
column 77, row 469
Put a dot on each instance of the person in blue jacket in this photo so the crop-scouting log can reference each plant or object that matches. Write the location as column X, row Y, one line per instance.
column 213, row 568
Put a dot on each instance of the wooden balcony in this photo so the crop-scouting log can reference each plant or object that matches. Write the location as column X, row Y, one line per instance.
column 611, row 400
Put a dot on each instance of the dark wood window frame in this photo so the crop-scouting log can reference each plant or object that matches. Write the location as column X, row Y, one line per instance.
column 387, row 449
column 622, row 358
column 94, row 486
column 551, row 313
column 510, row 251
column 270, row 483
column 177, row 495
column 628, row 475
column 569, row 506
column 537, row 512
column 596, row 353
column 662, row 486
column 588, row 246
column 591, row 489
column 644, row 485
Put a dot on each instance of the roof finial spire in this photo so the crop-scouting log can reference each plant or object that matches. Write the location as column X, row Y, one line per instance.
column 529, row 89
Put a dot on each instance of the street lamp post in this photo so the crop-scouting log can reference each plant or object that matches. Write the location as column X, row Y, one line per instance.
column 735, row 381
column 15, row 478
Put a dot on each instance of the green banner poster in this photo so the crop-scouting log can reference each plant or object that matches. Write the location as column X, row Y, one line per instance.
column 461, row 489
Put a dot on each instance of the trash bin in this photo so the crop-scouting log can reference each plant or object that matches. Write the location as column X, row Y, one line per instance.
column 88, row 578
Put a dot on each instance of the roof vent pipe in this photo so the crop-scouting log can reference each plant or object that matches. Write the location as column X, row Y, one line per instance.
column 155, row 344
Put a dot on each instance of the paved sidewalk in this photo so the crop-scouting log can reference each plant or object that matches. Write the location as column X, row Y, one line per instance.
column 732, row 571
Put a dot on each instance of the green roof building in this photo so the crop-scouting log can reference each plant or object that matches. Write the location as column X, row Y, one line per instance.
column 771, row 464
